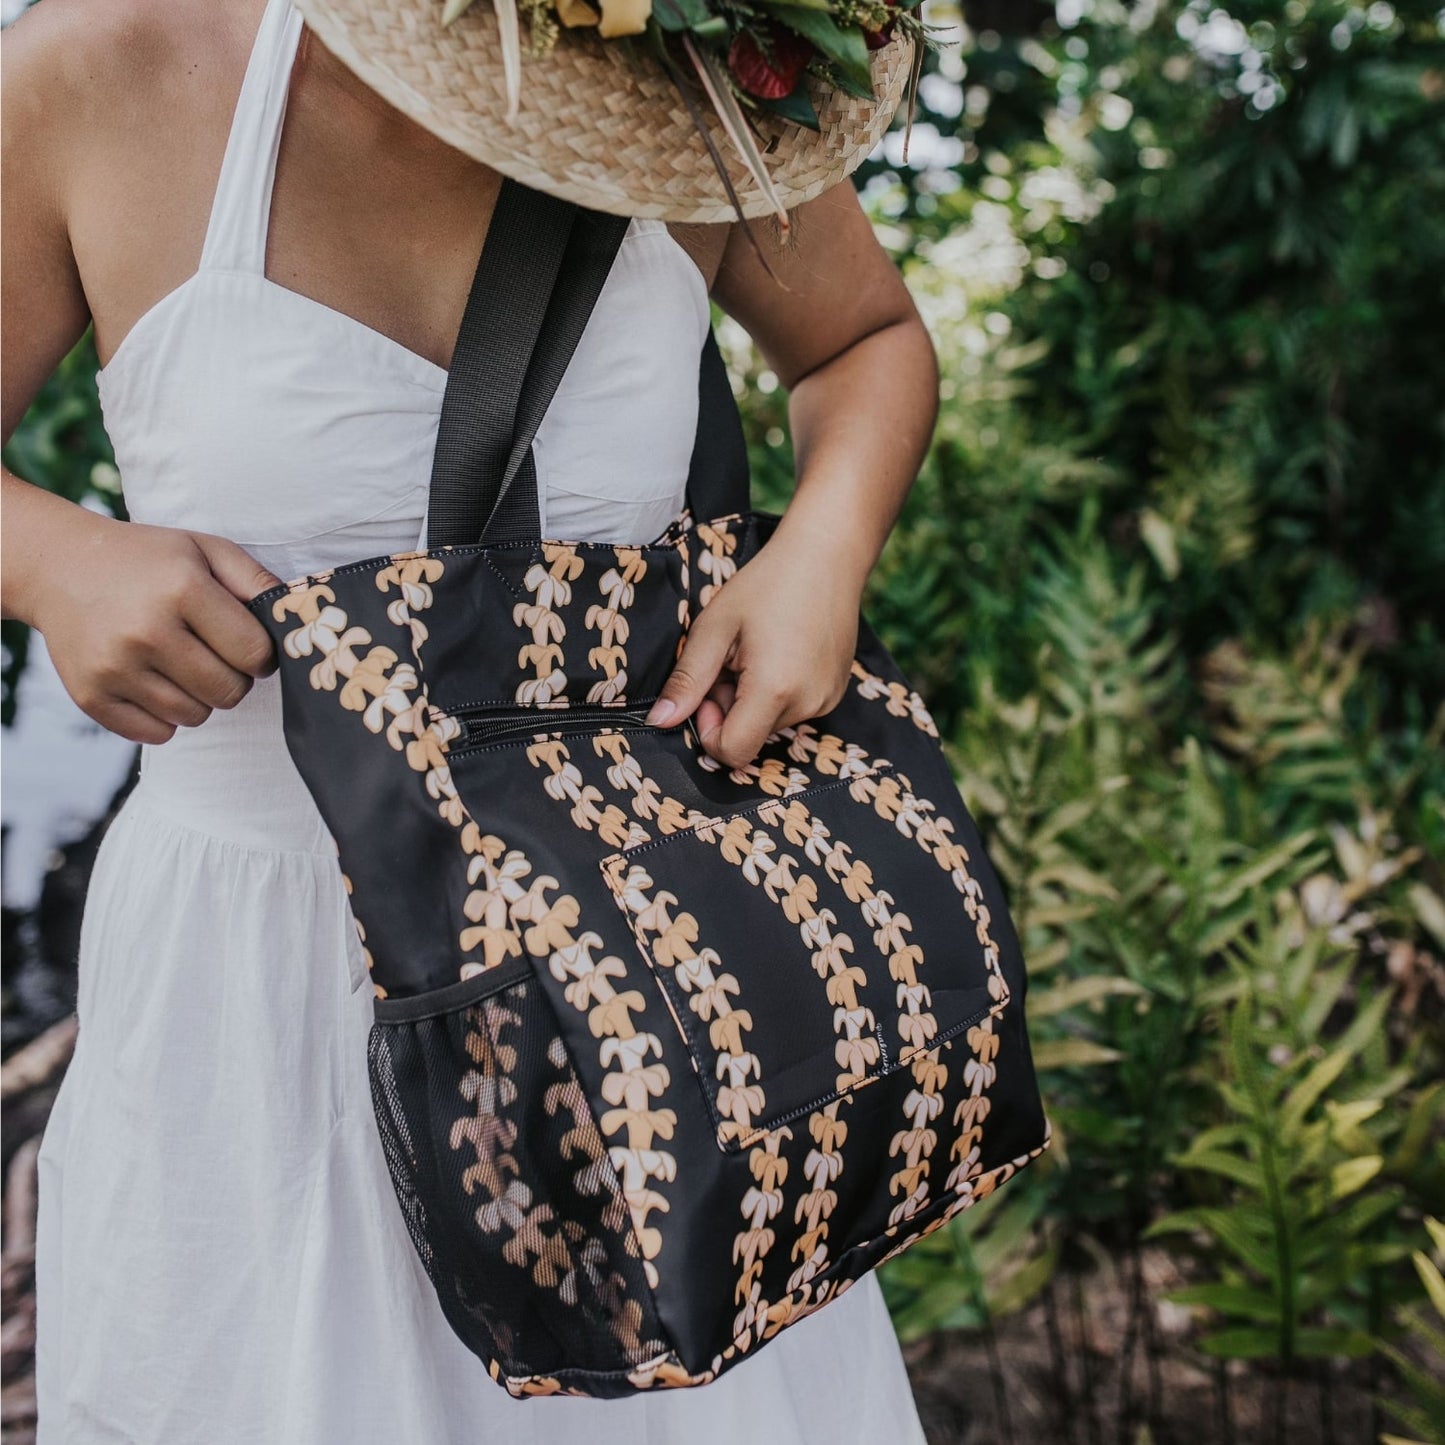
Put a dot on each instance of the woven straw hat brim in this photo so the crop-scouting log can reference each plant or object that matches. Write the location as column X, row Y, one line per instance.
column 600, row 122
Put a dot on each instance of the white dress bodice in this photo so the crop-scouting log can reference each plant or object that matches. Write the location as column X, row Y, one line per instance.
column 241, row 408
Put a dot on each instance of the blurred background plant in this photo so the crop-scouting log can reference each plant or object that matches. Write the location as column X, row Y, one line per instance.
column 1171, row 584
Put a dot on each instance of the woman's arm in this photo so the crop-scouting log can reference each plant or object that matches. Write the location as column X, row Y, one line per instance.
column 145, row 624
column 42, row 300
column 841, row 332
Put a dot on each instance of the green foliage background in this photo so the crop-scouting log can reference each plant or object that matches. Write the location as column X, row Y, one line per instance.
column 1171, row 583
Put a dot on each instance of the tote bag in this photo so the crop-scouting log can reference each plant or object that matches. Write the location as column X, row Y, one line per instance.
column 665, row 1053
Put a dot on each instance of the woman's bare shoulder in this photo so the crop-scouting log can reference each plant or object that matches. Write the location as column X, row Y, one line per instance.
column 115, row 117
column 69, row 62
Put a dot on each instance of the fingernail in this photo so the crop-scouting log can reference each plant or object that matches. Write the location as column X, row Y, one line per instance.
column 663, row 712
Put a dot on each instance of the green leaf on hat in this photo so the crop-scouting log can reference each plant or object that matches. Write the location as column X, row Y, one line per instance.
column 797, row 107
column 678, row 15
column 843, row 45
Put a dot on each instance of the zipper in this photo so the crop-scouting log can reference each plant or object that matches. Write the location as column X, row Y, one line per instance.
column 483, row 732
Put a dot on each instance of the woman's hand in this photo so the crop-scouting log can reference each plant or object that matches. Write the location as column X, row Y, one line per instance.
column 772, row 647
column 835, row 324
column 145, row 625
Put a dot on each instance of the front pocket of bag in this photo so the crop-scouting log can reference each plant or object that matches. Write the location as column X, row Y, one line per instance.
column 810, row 944
column 504, row 1179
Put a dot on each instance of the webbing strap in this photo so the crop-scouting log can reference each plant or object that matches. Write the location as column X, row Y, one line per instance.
column 513, row 283
column 591, row 247
column 543, row 264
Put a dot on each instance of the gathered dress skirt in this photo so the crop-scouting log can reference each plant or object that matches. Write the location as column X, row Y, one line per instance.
column 220, row 1255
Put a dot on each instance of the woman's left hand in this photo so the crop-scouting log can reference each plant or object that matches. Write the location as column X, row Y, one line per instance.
column 835, row 324
column 773, row 647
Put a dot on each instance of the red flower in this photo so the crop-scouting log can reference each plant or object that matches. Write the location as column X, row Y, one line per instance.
column 769, row 76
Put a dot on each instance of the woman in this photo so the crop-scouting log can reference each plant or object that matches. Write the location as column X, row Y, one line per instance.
column 275, row 263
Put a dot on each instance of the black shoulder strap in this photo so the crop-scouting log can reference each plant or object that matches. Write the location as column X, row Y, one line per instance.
column 542, row 267
column 523, row 258
column 717, row 478
column 591, row 248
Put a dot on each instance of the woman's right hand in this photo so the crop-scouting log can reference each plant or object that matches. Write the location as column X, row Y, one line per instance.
column 146, row 625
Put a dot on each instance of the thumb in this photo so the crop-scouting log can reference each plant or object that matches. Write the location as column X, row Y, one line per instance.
column 234, row 567
column 704, row 654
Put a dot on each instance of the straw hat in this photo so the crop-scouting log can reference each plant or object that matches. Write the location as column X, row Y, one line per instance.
column 597, row 122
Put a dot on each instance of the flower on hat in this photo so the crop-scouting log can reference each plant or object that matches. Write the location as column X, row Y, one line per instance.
column 618, row 17
column 769, row 73
column 745, row 59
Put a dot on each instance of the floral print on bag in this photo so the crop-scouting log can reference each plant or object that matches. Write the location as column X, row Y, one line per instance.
column 716, row 1040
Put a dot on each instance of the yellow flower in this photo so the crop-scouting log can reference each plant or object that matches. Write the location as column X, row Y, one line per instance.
column 573, row 13
column 624, row 17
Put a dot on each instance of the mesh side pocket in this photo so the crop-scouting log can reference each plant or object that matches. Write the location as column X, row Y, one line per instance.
column 505, row 1184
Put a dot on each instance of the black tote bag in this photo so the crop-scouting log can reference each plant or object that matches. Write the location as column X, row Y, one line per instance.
column 665, row 1054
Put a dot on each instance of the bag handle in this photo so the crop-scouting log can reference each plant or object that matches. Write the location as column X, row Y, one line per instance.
column 586, row 262
column 523, row 257
column 543, row 265
column 718, row 482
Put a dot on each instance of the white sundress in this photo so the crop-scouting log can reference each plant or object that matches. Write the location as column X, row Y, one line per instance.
column 220, row 1255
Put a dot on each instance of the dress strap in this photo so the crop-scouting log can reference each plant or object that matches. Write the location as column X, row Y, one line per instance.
column 241, row 208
